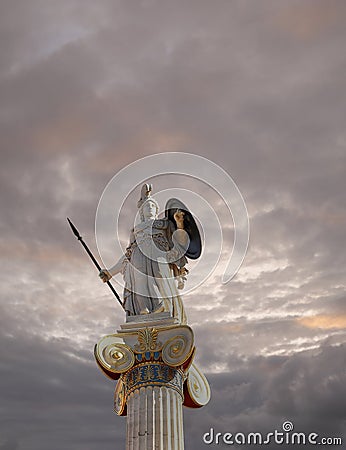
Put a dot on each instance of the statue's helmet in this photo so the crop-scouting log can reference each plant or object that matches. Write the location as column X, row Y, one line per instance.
column 145, row 197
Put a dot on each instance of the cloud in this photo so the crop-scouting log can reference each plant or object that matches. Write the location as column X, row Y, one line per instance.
column 63, row 391
column 260, row 393
column 324, row 321
column 87, row 88
column 310, row 20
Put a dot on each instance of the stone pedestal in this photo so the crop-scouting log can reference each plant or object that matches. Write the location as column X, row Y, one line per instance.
column 151, row 357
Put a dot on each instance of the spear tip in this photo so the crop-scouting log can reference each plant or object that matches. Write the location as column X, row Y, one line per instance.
column 74, row 229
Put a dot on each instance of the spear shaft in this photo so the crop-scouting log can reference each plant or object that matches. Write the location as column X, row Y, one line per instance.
column 86, row 248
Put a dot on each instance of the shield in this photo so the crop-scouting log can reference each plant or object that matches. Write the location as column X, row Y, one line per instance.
column 190, row 226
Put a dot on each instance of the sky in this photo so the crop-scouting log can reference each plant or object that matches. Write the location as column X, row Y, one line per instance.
column 257, row 87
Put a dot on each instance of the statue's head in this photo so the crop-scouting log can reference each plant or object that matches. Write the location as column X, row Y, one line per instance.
column 148, row 207
column 149, row 210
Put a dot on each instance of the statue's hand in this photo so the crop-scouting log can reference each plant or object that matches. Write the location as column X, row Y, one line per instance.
column 105, row 275
column 179, row 218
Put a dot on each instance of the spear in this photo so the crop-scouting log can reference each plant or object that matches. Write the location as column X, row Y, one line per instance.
column 79, row 237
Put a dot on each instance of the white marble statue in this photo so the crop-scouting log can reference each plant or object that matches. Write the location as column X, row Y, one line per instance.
column 153, row 266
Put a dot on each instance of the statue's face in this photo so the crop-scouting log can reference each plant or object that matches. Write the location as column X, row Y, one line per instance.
column 149, row 210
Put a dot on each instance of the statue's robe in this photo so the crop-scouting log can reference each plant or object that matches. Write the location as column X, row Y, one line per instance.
column 153, row 257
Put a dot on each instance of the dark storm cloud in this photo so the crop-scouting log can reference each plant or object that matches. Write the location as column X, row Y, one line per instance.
column 53, row 395
column 88, row 87
column 261, row 393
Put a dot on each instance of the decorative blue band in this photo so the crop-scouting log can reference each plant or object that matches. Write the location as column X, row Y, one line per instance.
column 153, row 374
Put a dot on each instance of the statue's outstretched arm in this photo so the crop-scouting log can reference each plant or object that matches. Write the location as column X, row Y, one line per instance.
column 117, row 266
column 107, row 274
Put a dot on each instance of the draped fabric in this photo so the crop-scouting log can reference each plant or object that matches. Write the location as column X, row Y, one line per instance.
column 155, row 247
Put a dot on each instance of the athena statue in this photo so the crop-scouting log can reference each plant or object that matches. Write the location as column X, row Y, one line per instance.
column 153, row 266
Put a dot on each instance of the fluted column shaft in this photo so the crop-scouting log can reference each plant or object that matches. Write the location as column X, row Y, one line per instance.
column 154, row 419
